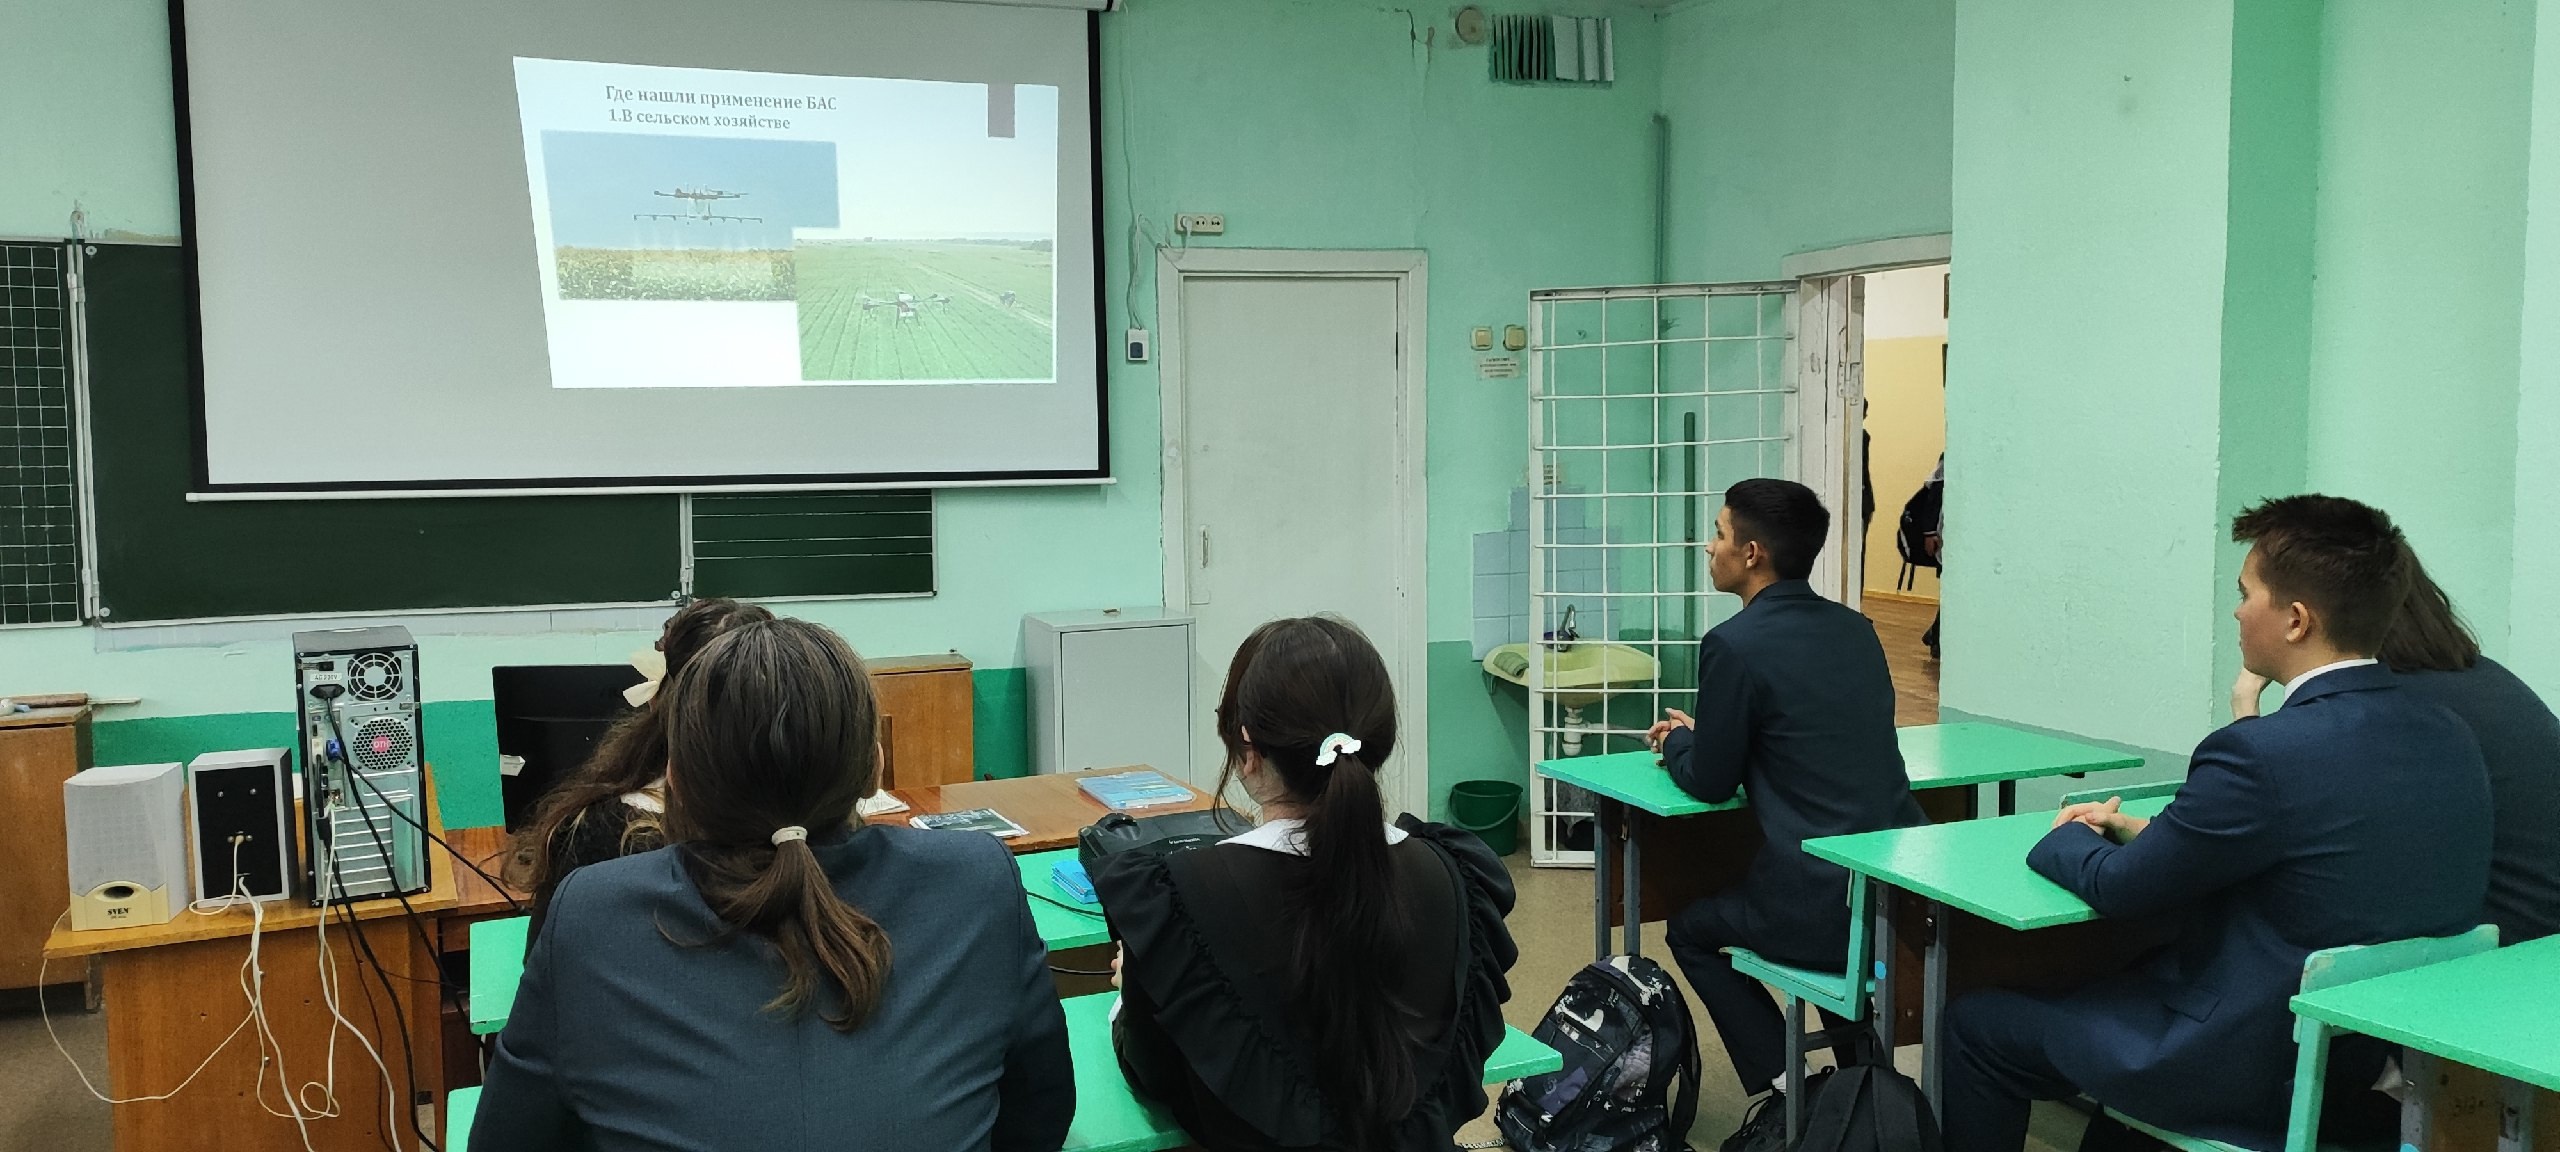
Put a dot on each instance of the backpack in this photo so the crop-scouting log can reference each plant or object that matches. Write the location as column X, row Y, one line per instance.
column 1920, row 516
column 1867, row 1107
column 1630, row 1076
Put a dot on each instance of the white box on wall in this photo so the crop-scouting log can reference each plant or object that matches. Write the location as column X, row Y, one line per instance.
column 1108, row 689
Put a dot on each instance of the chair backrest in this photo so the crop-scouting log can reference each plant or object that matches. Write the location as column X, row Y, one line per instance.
column 2330, row 967
column 2129, row 792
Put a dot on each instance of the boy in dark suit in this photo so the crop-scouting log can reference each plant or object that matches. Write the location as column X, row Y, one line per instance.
column 1795, row 703
column 2357, row 813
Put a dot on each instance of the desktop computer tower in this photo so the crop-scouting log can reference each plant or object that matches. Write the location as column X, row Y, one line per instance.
column 550, row 719
column 363, row 763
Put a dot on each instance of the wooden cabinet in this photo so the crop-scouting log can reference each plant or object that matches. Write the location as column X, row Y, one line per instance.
column 38, row 751
column 928, row 719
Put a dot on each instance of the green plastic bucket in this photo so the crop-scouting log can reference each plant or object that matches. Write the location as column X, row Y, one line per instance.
column 1490, row 809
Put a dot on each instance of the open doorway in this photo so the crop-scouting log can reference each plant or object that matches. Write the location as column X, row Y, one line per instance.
column 1902, row 439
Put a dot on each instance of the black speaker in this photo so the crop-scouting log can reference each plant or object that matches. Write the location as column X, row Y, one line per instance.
column 240, row 823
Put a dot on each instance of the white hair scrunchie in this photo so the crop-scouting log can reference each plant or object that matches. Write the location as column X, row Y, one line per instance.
column 1333, row 746
column 791, row 832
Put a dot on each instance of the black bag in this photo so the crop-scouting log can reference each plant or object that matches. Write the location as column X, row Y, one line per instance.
column 1120, row 832
column 1630, row 1076
column 1920, row 517
column 1867, row 1107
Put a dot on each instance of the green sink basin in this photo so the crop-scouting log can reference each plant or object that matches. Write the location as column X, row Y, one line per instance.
column 1578, row 675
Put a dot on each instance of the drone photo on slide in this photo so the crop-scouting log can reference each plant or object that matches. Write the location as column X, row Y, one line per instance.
column 651, row 217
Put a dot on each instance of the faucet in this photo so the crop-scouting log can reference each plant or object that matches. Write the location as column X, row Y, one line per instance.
column 1564, row 635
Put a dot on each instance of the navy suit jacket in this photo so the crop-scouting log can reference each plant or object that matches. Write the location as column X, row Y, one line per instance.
column 638, row 1026
column 1795, row 703
column 2520, row 741
column 2356, row 814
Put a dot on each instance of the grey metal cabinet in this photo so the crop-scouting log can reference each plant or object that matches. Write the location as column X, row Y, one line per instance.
column 1109, row 689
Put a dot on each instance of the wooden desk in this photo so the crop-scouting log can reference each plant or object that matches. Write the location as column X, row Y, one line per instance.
column 928, row 720
column 1051, row 809
column 173, row 993
column 38, row 751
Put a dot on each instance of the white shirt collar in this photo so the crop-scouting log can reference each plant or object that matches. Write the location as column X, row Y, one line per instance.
column 2295, row 685
column 1289, row 837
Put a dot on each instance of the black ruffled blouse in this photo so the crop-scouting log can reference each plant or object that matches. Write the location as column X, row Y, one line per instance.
column 1205, row 1026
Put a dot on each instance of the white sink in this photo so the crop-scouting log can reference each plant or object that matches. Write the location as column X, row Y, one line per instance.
column 1576, row 675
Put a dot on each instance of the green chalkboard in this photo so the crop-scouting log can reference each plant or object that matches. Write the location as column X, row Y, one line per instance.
column 163, row 558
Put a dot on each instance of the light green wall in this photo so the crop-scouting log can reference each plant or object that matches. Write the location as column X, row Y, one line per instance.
column 1336, row 124
column 2424, row 112
column 2533, row 644
column 86, row 83
column 1308, row 123
column 2266, row 289
column 2091, row 185
column 1804, row 124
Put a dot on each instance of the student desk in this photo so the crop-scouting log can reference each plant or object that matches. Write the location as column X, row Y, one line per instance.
column 497, row 946
column 460, row 1105
column 1977, row 866
column 1110, row 1117
column 1051, row 809
column 1633, row 785
column 2489, row 1011
column 173, row 994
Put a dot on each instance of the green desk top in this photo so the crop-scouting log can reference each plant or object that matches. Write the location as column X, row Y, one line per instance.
column 1520, row 1055
column 1953, row 755
column 1111, row 1118
column 1979, row 866
column 1934, row 755
column 497, row 966
column 459, row 1106
column 2470, row 1011
column 1060, row 928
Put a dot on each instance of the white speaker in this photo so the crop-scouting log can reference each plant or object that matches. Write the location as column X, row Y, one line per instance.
column 127, row 829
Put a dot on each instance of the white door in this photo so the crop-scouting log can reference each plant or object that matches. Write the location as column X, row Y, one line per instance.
column 1831, row 382
column 1293, row 466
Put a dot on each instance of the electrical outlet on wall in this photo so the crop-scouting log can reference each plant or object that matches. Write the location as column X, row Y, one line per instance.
column 1200, row 224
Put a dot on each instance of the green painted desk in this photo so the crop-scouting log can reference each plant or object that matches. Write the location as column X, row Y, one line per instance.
column 1112, row 1118
column 1979, row 866
column 1933, row 756
column 1063, row 922
column 497, row 946
column 2474, row 1011
column 497, row 966
column 459, row 1106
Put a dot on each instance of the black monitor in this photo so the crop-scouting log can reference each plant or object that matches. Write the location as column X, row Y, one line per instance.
column 551, row 717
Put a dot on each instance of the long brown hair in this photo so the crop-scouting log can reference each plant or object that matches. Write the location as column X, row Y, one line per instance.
column 630, row 758
column 1293, row 684
column 2428, row 635
column 775, row 726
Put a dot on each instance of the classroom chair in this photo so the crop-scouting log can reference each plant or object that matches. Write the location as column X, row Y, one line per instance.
column 2129, row 792
column 1844, row 994
column 2328, row 968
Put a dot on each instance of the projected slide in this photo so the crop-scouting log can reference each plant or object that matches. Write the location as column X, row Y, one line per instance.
column 700, row 229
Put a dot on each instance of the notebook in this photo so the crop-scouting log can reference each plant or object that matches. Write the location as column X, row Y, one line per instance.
column 1070, row 878
column 1128, row 791
column 986, row 820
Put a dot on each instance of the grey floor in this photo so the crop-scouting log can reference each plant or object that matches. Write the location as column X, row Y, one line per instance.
column 44, row 1109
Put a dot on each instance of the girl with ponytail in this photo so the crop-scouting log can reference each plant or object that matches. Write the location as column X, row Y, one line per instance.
column 1327, row 980
column 783, row 975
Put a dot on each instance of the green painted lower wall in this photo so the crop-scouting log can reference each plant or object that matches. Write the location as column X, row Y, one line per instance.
column 1479, row 725
column 1001, row 722
column 462, row 742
